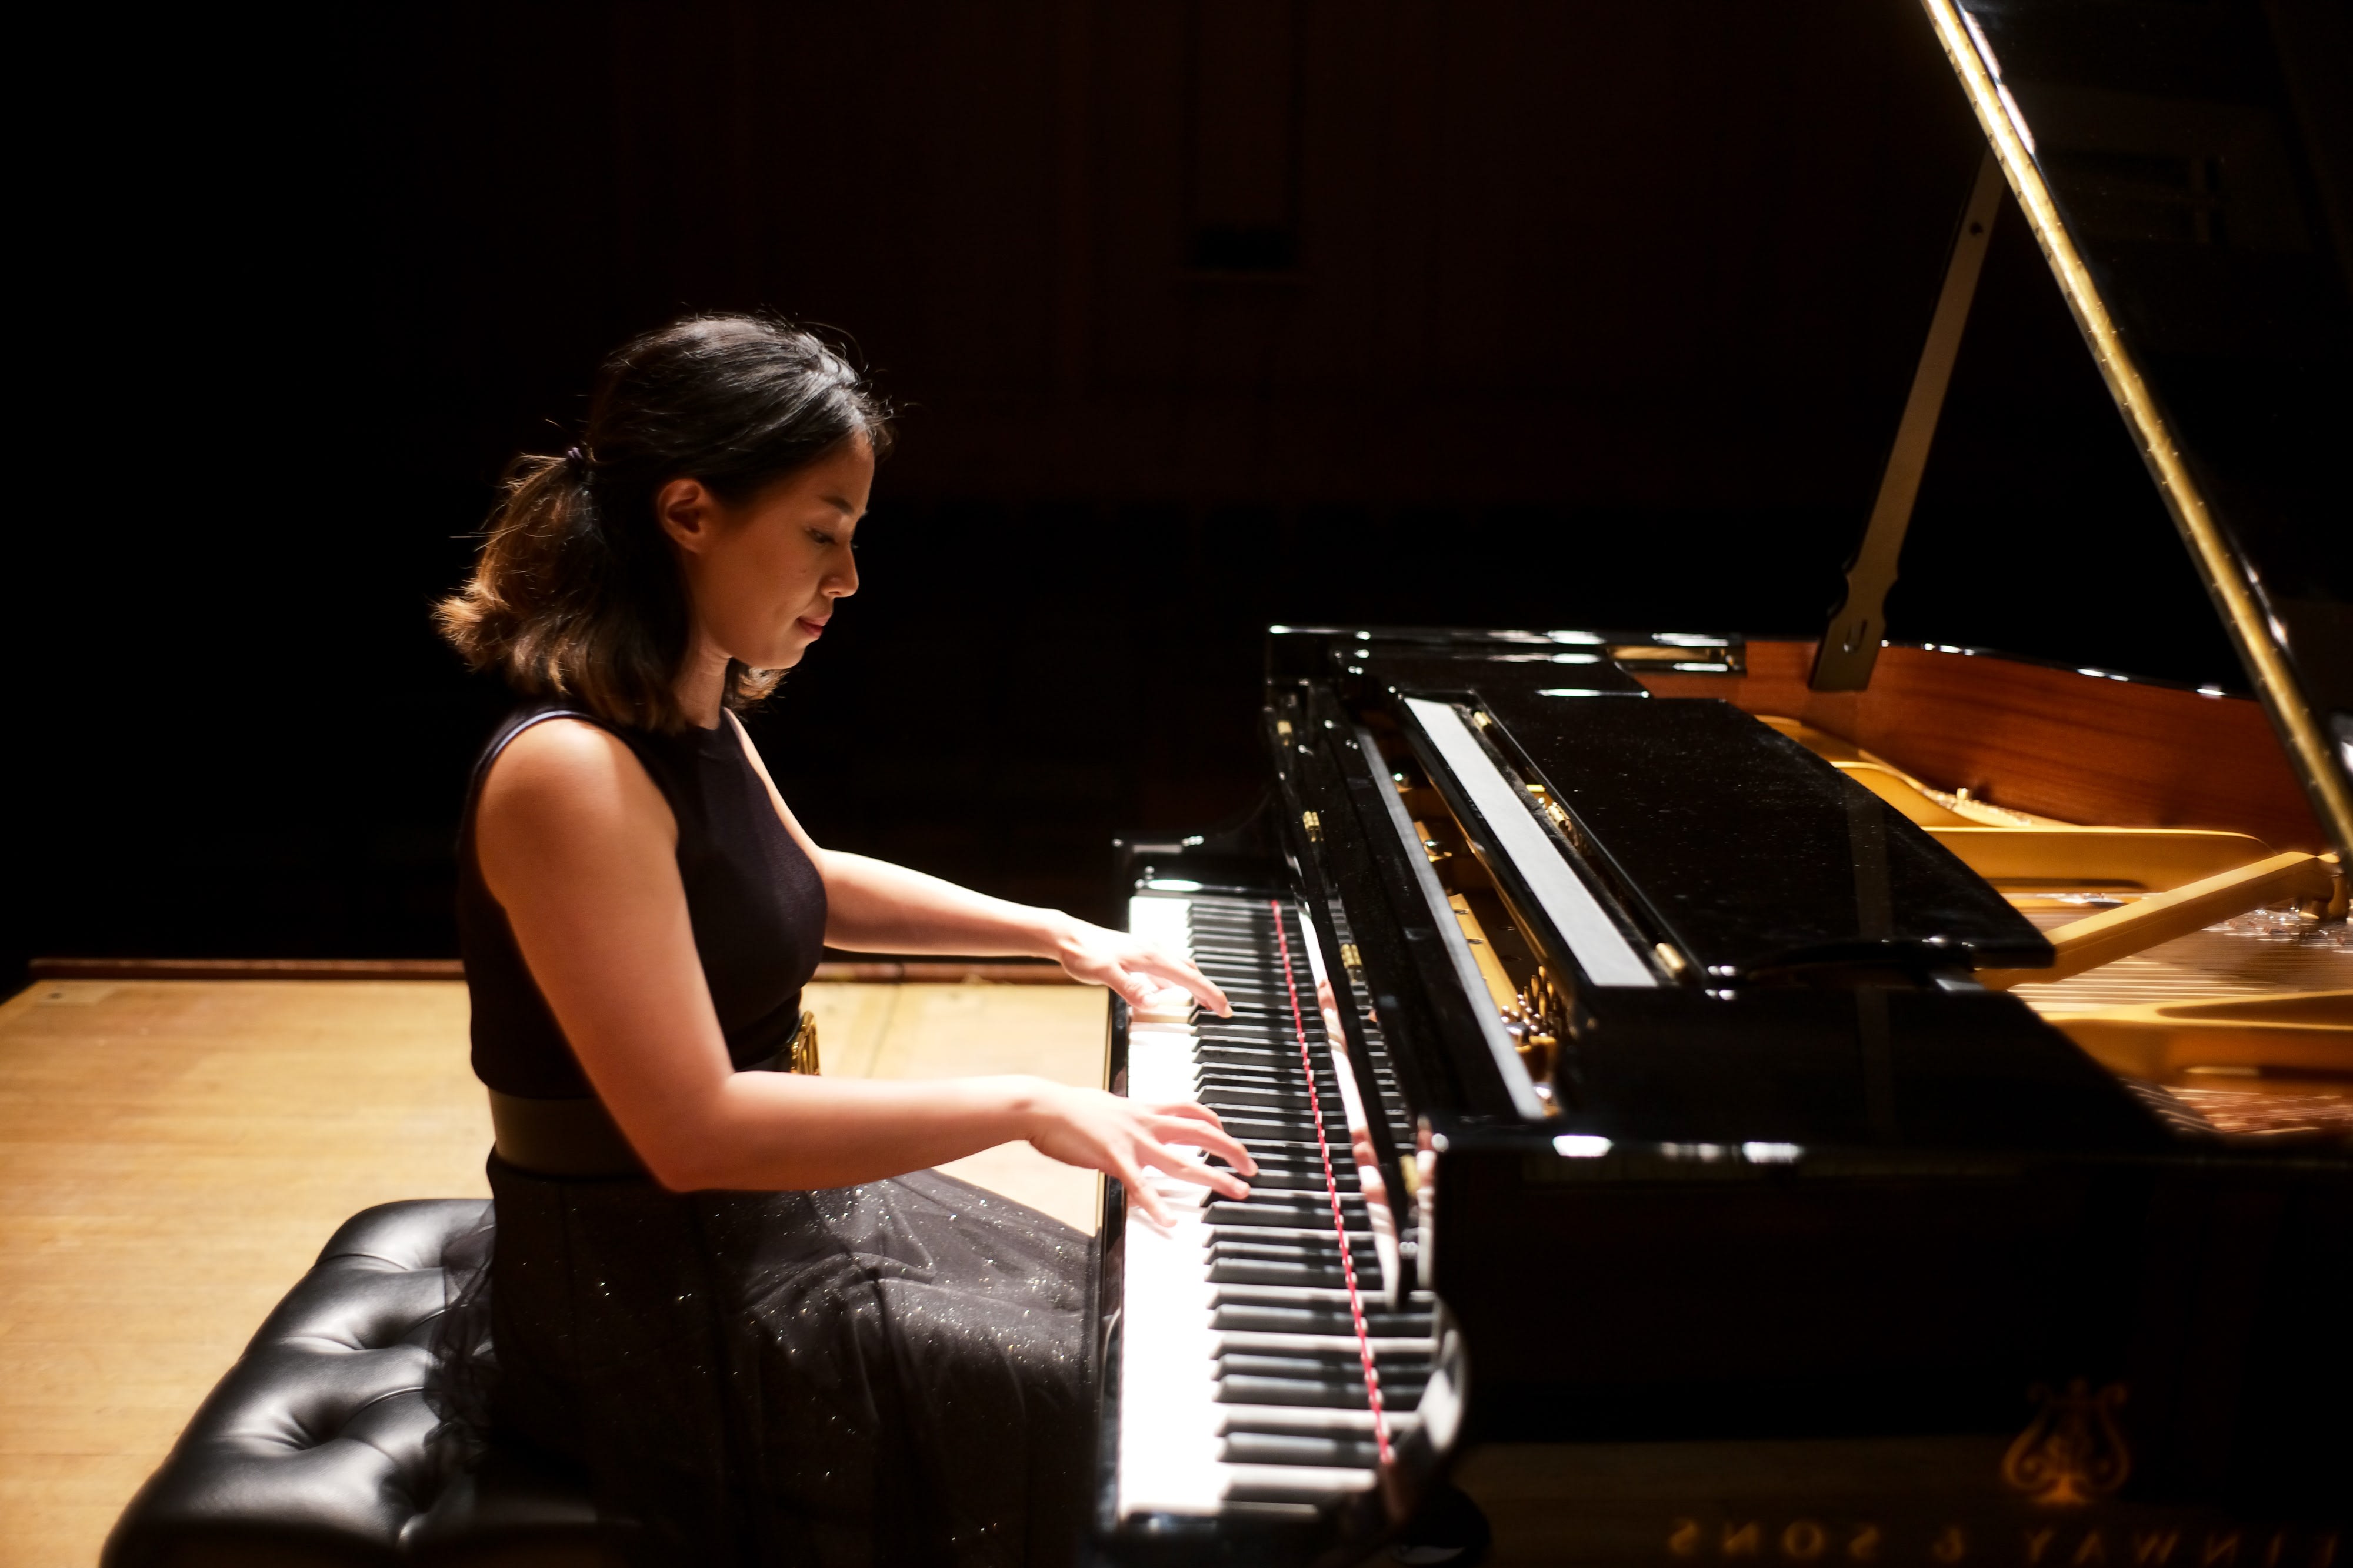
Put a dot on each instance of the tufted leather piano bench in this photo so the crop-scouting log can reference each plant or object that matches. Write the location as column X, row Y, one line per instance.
column 311, row 1451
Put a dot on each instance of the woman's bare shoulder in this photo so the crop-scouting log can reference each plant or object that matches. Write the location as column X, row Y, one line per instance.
column 570, row 776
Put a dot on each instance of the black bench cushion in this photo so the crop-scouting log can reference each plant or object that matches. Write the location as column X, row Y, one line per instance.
column 312, row 1450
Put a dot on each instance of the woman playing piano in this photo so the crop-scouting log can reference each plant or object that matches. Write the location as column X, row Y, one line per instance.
column 737, row 1297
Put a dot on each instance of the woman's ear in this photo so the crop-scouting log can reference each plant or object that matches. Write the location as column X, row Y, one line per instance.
column 687, row 512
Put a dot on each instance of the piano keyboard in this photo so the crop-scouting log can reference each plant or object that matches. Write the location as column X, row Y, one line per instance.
column 1261, row 1372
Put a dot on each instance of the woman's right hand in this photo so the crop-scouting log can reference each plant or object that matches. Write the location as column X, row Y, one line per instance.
column 1127, row 1139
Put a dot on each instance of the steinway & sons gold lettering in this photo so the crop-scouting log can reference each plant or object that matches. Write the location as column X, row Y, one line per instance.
column 1831, row 1539
column 1799, row 1541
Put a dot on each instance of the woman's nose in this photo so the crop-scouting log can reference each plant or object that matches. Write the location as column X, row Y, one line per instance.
column 841, row 584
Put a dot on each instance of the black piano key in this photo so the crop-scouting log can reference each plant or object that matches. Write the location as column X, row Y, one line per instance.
column 1301, row 1160
column 1290, row 1099
column 1316, row 1392
column 1266, row 1108
column 1279, row 1200
column 1269, row 1072
column 1397, row 1369
column 1265, row 1055
column 1275, row 1179
column 1298, row 1117
column 1251, row 1130
column 1267, row 1241
column 1320, row 1263
column 1255, row 1080
column 1265, row 1363
column 1281, row 1110
column 1297, row 1448
column 1313, row 1201
column 1241, row 1241
column 1398, row 1390
column 1226, row 1212
column 1277, row 1271
column 1312, row 1270
column 1286, row 1087
column 1252, row 1127
column 1271, row 1068
column 1262, row 1318
column 1276, row 1088
column 1301, row 1151
column 1291, row 1391
column 1316, row 1232
column 1273, row 1146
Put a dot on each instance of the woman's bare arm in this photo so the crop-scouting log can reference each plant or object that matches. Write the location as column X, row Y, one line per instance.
column 580, row 850
column 872, row 905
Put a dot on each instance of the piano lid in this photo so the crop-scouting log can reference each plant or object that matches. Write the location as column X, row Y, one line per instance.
column 1751, row 855
column 2188, row 171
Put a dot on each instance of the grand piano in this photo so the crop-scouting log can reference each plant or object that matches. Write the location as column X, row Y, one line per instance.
column 1723, row 1098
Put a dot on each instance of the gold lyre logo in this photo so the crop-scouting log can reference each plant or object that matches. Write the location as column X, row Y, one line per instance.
column 2071, row 1453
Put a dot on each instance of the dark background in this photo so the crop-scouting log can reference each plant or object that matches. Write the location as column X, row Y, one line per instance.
column 1202, row 315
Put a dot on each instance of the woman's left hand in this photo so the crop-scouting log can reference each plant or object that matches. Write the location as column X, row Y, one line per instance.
column 1134, row 968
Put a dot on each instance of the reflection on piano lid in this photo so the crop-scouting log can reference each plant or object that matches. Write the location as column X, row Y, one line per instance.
column 1896, row 1086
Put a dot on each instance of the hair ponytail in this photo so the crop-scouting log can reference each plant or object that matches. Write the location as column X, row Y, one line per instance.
column 576, row 592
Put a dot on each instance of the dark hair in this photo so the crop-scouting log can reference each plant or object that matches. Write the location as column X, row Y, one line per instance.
column 576, row 592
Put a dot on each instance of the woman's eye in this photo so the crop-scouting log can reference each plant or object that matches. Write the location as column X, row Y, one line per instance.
column 821, row 536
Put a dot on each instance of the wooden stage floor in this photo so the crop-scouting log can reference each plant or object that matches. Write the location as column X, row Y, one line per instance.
column 172, row 1154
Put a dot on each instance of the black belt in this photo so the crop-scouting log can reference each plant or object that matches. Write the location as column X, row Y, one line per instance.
column 579, row 1137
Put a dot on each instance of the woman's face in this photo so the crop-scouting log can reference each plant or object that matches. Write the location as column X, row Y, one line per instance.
column 762, row 575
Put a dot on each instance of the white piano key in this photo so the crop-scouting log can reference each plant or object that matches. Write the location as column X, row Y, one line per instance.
column 1307, row 1418
column 1162, row 921
column 1171, row 1423
column 1256, row 1341
column 1294, row 1480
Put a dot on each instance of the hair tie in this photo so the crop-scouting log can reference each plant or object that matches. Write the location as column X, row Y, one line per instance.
column 577, row 459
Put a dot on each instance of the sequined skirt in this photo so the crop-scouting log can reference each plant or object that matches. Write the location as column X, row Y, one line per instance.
column 887, row 1374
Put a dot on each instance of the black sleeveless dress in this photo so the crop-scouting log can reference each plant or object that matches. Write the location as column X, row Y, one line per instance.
column 885, row 1373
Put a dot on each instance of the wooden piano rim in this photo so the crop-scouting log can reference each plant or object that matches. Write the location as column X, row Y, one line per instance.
column 2053, row 742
